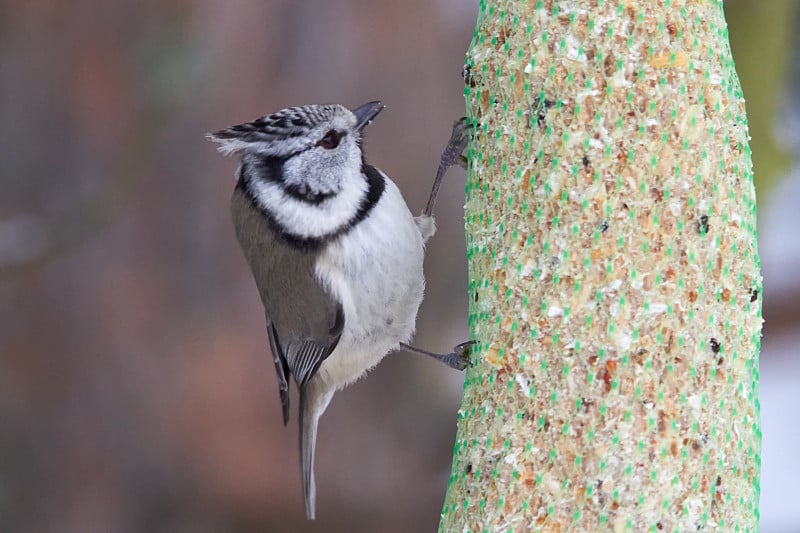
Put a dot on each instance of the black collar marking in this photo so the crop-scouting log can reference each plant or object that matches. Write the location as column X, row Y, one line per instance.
column 376, row 185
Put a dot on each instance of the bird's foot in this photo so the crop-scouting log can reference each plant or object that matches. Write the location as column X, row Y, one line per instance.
column 457, row 359
column 453, row 153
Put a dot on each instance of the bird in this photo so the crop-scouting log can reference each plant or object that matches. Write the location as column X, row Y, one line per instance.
column 334, row 250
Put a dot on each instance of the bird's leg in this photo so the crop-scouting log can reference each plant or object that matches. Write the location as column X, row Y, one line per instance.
column 458, row 358
column 452, row 155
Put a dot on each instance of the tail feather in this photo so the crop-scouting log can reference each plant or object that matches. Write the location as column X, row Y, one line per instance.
column 313, row 403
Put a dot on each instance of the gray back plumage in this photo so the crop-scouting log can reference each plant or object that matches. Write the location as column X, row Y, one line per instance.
column 305, row 328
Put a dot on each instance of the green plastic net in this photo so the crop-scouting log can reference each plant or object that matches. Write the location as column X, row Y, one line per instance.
column 615, row 287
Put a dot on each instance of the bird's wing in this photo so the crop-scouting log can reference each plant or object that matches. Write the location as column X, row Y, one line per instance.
column 304, row 322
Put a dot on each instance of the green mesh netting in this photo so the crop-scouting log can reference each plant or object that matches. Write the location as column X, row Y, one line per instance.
column 615, row 287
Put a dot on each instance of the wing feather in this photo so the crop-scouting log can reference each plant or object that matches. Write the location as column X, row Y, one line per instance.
column 281, row 369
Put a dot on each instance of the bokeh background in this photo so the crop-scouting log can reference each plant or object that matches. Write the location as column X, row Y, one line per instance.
column 136, row 389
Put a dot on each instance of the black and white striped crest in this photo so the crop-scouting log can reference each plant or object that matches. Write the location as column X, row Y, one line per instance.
column 284, row 132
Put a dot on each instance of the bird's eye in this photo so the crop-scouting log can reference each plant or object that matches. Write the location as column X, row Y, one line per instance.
column 331, row 140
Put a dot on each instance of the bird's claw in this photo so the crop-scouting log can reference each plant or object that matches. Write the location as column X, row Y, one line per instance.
column 459, row 357
column 459, row 138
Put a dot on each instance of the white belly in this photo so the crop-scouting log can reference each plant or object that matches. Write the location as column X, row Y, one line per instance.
column 375, row 270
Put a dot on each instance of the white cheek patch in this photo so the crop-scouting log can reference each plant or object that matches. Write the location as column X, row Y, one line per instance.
column 306, row 220
column 326, row 176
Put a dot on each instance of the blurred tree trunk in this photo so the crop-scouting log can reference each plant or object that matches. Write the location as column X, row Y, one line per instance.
column 615, row 286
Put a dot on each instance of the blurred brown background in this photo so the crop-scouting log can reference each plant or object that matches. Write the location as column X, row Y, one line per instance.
column 136, row 388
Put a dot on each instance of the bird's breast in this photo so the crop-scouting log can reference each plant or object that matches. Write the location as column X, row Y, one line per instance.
column 375, row 271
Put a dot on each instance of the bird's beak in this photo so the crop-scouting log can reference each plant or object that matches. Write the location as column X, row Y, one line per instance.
column 365, row 113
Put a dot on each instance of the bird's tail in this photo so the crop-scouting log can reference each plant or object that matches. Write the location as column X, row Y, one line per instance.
column 313, row 403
